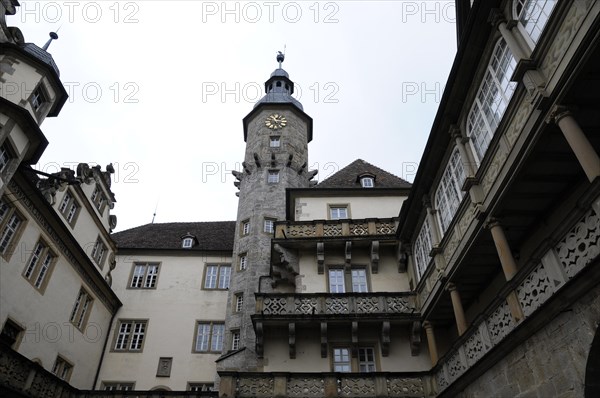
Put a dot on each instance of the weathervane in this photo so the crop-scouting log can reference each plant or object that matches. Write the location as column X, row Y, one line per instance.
column 281, row 56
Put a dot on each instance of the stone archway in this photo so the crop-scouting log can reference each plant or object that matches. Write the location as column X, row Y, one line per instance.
column 592, row 369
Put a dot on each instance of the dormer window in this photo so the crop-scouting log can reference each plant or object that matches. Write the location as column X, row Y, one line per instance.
column 367, row 182
column 187, row 241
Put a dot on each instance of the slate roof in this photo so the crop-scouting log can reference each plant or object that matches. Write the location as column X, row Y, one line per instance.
column 348, row 177
column 211, row 236
column 41, row 55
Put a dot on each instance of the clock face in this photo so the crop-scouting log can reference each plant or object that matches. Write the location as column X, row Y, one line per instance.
column 275, row 121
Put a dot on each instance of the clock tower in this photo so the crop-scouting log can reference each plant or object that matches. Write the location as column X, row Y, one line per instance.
column 277, row 133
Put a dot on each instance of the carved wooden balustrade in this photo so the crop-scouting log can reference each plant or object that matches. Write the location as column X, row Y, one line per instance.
column 325, row 305
column 321, row 385
column 335, row 228
column 577, row 249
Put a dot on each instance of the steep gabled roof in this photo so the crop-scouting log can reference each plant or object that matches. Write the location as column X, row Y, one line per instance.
column 348, row 177
column 211, row 236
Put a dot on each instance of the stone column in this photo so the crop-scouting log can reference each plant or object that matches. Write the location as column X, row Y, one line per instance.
column 459, row 312
column 581, row 146
column 509, row 266
column 499, row 22
column 433, row 351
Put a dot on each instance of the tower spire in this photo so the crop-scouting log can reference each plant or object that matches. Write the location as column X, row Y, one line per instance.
column 53, row 36
column 280, row 58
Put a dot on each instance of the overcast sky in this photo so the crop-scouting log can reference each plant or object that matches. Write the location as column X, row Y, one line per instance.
column 160, row 88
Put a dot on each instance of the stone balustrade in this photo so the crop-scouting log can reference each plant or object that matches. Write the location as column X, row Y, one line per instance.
column 578, row 248
column 319, row 304
column 335, row 228
column 323, row 385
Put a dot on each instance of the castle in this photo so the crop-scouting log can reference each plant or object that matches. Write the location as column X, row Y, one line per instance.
column 479, row 279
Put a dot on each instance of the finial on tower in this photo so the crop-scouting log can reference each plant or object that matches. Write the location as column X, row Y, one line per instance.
column 53, row 36
column 280, row 58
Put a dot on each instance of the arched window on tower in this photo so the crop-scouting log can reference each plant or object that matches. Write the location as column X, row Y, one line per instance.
column 449, row 193
column 492, row 99
column 532, row 16
column 422, row 248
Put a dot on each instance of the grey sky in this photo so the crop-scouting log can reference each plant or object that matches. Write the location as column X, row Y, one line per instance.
column 160, row 89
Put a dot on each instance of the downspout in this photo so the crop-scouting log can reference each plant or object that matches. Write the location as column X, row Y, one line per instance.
column 112, row 318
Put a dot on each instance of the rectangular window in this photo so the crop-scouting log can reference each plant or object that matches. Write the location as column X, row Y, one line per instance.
column 422, row 248
column 269, row 226
column 62, row 368
column 40, row 265
column 38, row 98
column 98, row 252
column 366, row 360
column 367, row 182
column 81, row 309
column 273, row 177
column 201, row 386
column 239, row 302
column 336, row 281
column 130, row 335
column 5, row 157
column 235, row 340
column 275, row 142
column 69, row 207
column 341, row 360
column 359, row 280
column 11, row 334
column 10, row 222
column 99, row 199
column 217, row 276
column 118, row 386
column 245, row 227
column 243, row 262
column 338, row 212
column 209, row 337
column 144, row 276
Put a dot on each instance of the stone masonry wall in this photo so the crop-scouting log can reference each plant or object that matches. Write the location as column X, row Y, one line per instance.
column 551, row 363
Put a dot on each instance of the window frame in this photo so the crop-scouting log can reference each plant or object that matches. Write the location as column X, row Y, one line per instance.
column 4, row 335
column 9, row 213
column 80, row 312
column 99, row 260
column 243, row 262
column 481, row 123
column 62, row 366
column 129, row 340
column 39, row 100
column 269, row 225
column 245, row 228
column 144, row 276
column 193, row 386
column 236, row 339
column 187, row 243
column 275, row 139
column 338, row 207
column 211, row 333
column 66, row 206
column 367, row 182
column 218, row 276
column 118, row 385
column 355, row 363
column 238, row 305
column 528, row 34
column 422, row 249
column 99, row 199
column 449, row 194
column 273, row 177
column 347, row 279
column 7, row 156
column 45, row 259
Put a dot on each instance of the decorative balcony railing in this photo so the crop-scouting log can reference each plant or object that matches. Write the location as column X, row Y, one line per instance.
column 319, row 304
column 578, row 248
column 335, row 228
column 311, row 385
